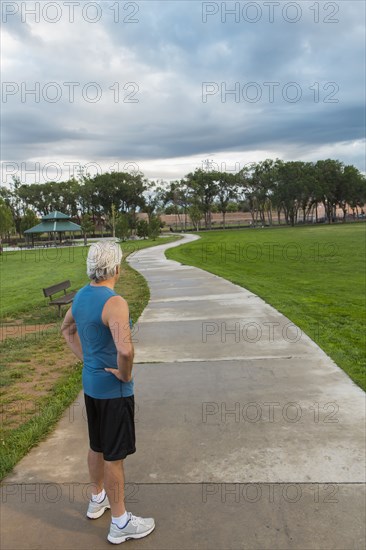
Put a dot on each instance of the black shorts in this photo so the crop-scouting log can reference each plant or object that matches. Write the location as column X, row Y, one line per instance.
column 111, row 426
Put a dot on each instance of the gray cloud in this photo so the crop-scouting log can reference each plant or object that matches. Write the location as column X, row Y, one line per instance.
column 168, row 54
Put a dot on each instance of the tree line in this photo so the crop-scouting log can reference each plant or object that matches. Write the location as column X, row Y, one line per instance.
column 113, row 200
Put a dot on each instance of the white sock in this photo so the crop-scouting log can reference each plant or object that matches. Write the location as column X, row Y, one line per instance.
column 99, row 497
column 121, row 521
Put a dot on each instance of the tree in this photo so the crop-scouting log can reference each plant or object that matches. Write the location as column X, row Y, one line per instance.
column 43, row 197
column 123, row 230
column 352, row 190
column 195, row 214
column 291, row 179
column 247, row 188
column 295, row 189
column 28, row 220
column 204, row 188
column 88, row 199
column 176, row 197
column 113, row 219
column 154, row 227
column 227, row 191
column 154, row 198
column 6, row 221
column 264, row 180
column 142, row 228
column 308, row 193
column 16, row 203
column 87, row 226
column 233, row 206
column 329, row 174
column 123, row 190
column 69, row 194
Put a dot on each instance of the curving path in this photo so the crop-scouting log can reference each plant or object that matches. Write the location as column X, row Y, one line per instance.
column 248, row 434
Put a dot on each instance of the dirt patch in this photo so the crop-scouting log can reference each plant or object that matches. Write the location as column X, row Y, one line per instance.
column 30, row 380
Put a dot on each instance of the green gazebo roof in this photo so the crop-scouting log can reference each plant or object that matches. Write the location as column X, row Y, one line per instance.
column 55, row 222
column 56, row 216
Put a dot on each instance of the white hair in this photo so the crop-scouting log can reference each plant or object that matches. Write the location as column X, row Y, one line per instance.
column 103, row 259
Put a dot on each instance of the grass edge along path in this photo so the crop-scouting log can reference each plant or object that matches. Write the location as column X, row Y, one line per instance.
column 319, row 289
column 16, row 443
column 47, row 411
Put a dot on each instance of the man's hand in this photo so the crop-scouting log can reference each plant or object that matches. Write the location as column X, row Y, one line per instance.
column 118, row 375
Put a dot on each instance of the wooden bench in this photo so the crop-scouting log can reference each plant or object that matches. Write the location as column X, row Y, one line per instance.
column 61, row 300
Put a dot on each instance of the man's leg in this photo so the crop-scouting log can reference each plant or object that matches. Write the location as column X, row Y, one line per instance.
column 124, row 525
column 99, row 502
column 96, row 470
column 114, row 484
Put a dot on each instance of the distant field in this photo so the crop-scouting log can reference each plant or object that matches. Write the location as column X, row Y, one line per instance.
column 315, row 276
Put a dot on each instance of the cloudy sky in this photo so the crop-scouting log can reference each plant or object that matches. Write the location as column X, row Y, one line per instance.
column 164, row 85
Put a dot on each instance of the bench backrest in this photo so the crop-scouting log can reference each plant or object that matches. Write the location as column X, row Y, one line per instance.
column 49, row 291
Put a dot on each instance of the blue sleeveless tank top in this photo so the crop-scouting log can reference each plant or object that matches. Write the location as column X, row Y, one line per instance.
column 99, row 349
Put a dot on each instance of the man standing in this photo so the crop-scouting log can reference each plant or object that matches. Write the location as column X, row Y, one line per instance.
column 97, row 329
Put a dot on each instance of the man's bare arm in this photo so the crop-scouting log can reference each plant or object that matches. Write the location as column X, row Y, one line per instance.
column 70, row 333
column 116, row 316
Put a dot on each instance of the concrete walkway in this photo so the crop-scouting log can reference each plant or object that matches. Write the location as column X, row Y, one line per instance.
column 248, row 435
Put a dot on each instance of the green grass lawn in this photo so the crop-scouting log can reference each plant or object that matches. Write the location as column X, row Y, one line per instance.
column 315, row 276
column 24, row 273
column 39, row 376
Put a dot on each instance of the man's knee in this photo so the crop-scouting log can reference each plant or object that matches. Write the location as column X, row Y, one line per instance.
column 113, row 463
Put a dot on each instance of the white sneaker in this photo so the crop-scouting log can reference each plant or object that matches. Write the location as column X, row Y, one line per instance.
column 135, row 528
column 97, row 509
